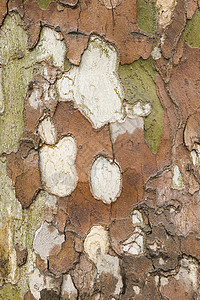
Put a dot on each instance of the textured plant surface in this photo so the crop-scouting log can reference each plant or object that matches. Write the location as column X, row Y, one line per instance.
column 99, row 149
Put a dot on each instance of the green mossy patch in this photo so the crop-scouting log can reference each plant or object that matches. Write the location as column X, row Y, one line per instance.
column 138, row 81
column 43, row 4
column 146, row 16
column 16, row 73
column 67, row 64
column 18, row 65
column 9, row 292
column 191, row 34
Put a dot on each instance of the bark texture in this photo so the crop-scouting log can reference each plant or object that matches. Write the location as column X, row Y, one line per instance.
column 99, row 149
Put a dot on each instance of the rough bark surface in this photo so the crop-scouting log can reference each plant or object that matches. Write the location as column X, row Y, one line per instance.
column 99, row 149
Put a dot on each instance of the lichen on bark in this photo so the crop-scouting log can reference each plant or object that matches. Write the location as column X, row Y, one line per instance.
column 10, row 292
column 44, row 3
column 146, row 16
column 191, row 34
column 69, row 245
column 139, row 85
column 17, row 69
column 18, row 65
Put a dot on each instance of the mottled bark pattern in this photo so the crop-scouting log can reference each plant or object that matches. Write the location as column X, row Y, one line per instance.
column 99, row 149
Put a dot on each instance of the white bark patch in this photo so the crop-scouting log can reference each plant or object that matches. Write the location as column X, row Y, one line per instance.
column 154, row 246
column 36, row 283
column 195, row 158
column 97, row 241
column 135, row 243
column 164, row 281
column 68, row 290
column 156, row 53
column 177, row 179
column 188, row 273
column 165, row 10
column 161, row 261
column 137, row 218
column 46, row 238
column 35, row 99
column 105, row 180
column 139, row 109
column 195, row 154
column 157, row 280
column 110, row 265
column 57, row 167
column 129, row 125
column 136, row 289
column 51, row 45
column 66, row 84
column 95, row 85
column 47, row 131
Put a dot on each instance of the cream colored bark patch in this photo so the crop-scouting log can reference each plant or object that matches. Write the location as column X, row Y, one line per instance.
column 135, row 113
column 105, row 180
column 108, row 264
column 139, row 109
column 188, row 272
column 177, row 179
column 35, row 99
column 51, row 45
column 156, row 53
column 165, row 10
column 137, row 218
column 135, row 243
column 128, row 125
column 136, row 289
column 57, row 167
column 46, row 238
column 68, row 290
column 96, row 242
column 195, row 158
column 95, row 85
column 47, row 131
column 36, row 283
